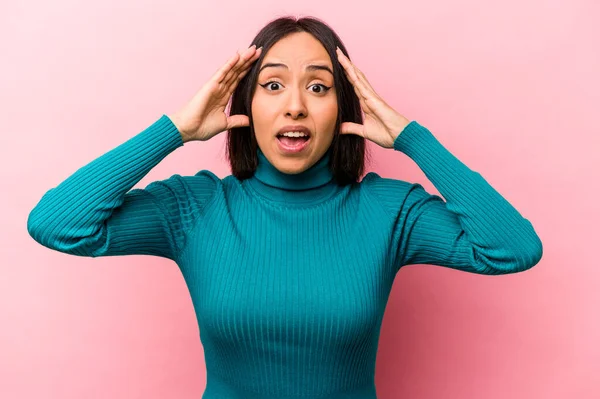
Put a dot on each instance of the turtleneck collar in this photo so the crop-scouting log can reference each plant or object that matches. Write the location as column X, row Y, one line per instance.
column 313, row 185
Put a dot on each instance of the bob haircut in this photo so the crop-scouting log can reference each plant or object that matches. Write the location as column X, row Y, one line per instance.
column 348, row 151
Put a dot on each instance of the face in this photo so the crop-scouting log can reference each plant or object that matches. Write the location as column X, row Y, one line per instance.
column 295, row 95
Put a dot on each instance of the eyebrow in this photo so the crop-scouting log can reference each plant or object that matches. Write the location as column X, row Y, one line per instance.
column 311, row 67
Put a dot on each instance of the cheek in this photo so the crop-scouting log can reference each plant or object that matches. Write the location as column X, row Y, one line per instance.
column 264, row 117
column 260, row 112
column 327, row 116
column 264, row 105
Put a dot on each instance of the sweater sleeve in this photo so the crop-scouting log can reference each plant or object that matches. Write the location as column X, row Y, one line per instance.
column 93, row 212
column 474, row 229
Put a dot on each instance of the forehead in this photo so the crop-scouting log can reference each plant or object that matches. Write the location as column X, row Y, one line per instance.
column 298, row 51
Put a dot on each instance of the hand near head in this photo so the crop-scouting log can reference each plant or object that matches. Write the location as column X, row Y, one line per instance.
column 382, row 124
column 204, row 115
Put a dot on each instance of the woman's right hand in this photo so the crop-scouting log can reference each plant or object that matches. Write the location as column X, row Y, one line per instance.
column 204, row 115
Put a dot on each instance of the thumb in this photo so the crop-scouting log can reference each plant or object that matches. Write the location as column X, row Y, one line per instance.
column 237, row 121
column 351, row 128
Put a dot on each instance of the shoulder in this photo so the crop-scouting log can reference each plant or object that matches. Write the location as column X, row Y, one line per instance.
column 384, row 186
column 374, row 181
column 200, row 187
column 205, row 184
column 393, row 194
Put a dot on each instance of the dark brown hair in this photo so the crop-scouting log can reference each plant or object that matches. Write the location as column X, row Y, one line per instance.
column 348, row 151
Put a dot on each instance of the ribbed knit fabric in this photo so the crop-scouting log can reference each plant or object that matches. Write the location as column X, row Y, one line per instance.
column 289, row 274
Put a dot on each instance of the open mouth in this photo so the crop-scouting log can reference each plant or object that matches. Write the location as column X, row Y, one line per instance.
column 292, row 145
column 292, row 141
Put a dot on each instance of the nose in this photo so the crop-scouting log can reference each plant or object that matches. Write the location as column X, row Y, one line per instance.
column 296, row 107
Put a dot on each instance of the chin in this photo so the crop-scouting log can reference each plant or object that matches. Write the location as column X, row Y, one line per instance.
column 292, row 166
column 292, row 171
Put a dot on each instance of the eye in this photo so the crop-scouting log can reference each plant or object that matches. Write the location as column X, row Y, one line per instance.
column 271, row 82
column 325, row 88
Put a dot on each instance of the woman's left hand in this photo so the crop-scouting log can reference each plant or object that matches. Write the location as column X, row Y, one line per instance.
column 382, row 124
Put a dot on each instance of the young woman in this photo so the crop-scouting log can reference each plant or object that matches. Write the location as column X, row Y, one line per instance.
column 289, row 260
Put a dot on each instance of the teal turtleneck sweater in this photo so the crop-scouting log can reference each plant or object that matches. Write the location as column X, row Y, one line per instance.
column 289, row 274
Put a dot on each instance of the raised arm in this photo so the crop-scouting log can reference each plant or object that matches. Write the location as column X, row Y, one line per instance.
column 474, row 229
column 94, row 213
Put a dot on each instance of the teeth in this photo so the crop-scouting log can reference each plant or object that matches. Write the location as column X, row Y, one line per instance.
column 294, row 134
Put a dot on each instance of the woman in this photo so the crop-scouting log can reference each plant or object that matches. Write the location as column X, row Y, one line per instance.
column 289, row 260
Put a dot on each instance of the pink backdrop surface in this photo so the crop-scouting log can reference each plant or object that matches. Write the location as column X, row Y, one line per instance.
column 511, row 88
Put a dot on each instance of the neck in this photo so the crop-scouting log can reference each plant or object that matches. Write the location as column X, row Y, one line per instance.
column 310, row 186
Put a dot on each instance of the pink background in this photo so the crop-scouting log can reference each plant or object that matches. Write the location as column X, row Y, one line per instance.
column 511, row 88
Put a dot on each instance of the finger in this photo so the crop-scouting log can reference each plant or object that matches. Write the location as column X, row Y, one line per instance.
column 238, row 78
column 367, row 86
column 351, row 74
column 245, row 59
column 254, row 54
column 358, row 83
column 237, row 121
column 220, row 75
column 364, row 107
column 235, row 80
column 356, row 77
column 232, row 70
column 233, row 84
column 224, row 72
column 251, row 60
column 352, row 128
column 363, row 78
column 359, row 93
